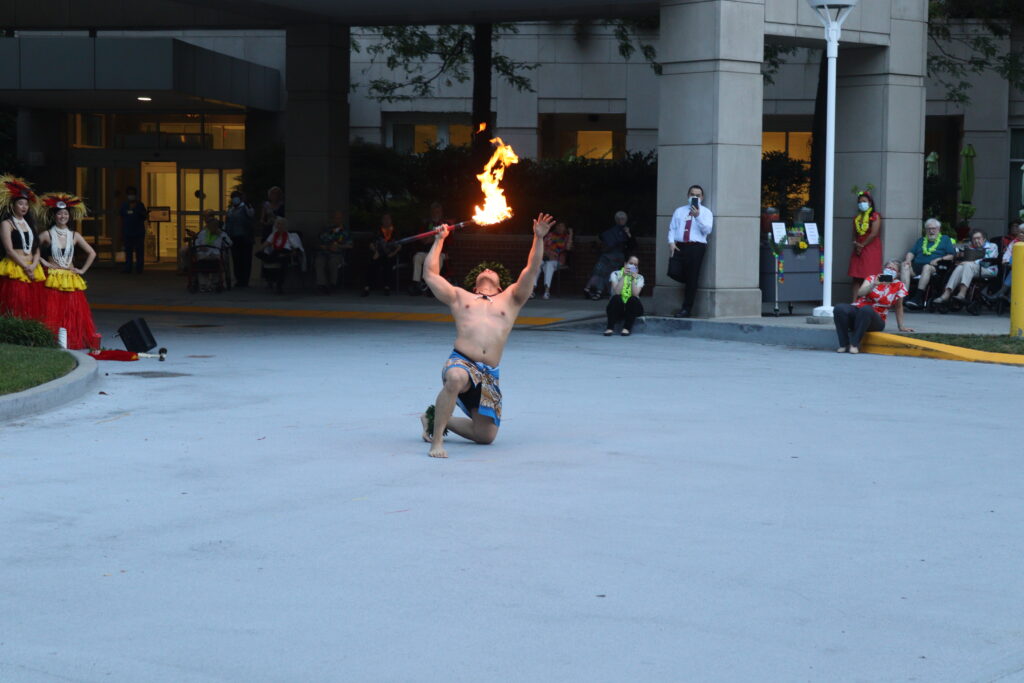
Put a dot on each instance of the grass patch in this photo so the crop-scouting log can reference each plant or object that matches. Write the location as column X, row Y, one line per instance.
column 23, row 367
column 996, row 343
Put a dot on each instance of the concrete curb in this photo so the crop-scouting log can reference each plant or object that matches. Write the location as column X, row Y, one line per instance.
column 898, row 345
column 809, row 338
column 52, row 394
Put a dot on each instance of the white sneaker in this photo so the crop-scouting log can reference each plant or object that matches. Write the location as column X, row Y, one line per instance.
column 533, row 294
column 547, row 295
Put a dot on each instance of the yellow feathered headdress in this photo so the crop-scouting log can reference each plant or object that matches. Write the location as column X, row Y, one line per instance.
column 12, row 189
column 51, row 202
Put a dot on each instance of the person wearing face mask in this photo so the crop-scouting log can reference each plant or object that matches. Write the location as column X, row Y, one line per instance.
column 624, row 304
column 877, row 294
column 238, row 224
column 866, row 259
column 970, row 267
column 688, row 233
column 133, row 230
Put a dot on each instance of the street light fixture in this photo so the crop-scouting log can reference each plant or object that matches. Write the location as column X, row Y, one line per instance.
column 832, row 14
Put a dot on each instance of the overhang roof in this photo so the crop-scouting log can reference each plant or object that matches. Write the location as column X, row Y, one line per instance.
column 110, row 73
column 162, row 14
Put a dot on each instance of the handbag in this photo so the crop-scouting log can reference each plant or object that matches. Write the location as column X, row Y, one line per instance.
column 676, row 268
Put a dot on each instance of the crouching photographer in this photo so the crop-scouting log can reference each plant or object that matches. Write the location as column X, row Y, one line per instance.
column 624, row 305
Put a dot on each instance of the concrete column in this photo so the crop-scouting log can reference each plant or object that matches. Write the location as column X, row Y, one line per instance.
column 316, row 128
column 880, row 122
column 710, row 135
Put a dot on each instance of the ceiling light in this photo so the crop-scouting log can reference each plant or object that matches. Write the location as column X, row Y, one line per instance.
column 143, row 98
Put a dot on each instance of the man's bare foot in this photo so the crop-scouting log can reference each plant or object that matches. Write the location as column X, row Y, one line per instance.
column 426, row 427
column 438, row 451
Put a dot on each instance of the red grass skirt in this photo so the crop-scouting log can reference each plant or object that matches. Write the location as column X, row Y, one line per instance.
column 22, row 299
column 70, row 310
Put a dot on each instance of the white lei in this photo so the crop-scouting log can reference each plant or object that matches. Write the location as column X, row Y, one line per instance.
column 25, row 232
column 62, row 257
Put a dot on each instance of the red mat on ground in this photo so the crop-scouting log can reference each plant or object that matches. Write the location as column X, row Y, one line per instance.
column 114, row 354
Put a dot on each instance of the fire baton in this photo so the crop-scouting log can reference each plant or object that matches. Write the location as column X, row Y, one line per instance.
column 430, row 233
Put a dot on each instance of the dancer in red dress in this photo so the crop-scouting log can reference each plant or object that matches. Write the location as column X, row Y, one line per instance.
column 21, row 275
column 866, row 259
column 66, row 305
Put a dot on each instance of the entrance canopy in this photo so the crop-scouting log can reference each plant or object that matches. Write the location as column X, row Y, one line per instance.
column 156, row 14
column 62, row 72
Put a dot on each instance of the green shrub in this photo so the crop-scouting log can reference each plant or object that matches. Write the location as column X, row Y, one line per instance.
column 25, row 332
column 585, row 193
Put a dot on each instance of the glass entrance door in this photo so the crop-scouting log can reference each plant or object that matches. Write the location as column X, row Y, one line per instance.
column 159, row 181
column 205, row 189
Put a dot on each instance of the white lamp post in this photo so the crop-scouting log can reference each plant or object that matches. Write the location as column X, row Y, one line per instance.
column 832, row 14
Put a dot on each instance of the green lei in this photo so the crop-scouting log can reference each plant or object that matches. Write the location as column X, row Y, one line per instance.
column 935, row 245
column 863, row 222
column 627, row 286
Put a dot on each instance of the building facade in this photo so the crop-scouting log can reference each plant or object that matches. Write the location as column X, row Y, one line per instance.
column 221, row 97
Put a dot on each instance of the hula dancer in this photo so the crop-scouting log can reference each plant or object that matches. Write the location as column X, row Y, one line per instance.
column 65, row 289
column 21, row 276
column 483, row 320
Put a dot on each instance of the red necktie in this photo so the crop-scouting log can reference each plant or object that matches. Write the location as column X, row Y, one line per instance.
column 686, row 230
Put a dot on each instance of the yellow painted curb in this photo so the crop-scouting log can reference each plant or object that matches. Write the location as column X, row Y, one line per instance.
column 327, row 315
column 898, row 345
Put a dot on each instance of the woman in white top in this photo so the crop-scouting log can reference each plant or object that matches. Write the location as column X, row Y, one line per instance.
column 624, row 305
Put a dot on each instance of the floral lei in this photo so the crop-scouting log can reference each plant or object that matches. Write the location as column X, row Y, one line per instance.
column 863, row 222
column 935, row 245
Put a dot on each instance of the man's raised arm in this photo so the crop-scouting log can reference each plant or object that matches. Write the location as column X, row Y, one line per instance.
column 528, row 278
column 441, row 288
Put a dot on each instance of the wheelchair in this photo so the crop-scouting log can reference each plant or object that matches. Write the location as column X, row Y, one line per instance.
column 219, row 267
column 976, row 296
column 936, row 285
column 275, row 269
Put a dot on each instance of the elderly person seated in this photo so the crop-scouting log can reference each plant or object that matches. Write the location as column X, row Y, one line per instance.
column 877, row 294
column 970, row 266
column 922, row 259
column 615, row 243
column 333, row 242
column 211, row 244
column 1007, row 261
column 277, row 252
column 624, row 304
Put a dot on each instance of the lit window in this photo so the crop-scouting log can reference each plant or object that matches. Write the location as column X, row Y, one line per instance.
column 773, row 142
column 424, row 137
column 459, row 135
column 594, row 144
column 89, row 131
column 799, row 146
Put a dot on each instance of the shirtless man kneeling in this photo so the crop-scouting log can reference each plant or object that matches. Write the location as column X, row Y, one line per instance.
column 483, row 320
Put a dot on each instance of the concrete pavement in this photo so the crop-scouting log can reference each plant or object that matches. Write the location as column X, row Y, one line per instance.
column 260, row 508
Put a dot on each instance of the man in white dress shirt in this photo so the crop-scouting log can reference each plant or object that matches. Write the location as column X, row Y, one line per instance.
column 687, row 241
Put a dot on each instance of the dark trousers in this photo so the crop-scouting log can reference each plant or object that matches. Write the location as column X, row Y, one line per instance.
column 606, row 263
column 852, row 323
column 134, row 246
column 379, row 273
column 691, row 256
column 241, row 258
column 275, row 266
column 627, row 312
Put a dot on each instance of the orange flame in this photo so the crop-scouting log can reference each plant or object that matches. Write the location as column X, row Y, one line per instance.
column 495, row 208
column 482, row 128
